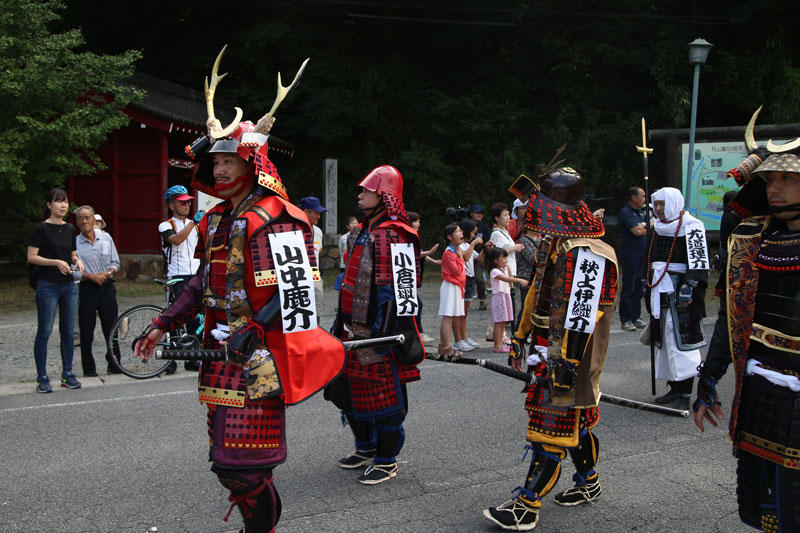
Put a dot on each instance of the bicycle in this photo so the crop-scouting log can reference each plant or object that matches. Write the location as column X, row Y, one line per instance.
column 130, row 326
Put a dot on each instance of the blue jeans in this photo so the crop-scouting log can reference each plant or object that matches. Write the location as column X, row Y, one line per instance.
column 49, row 296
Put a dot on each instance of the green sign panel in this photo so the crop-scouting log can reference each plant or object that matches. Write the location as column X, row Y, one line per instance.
column 703, row 190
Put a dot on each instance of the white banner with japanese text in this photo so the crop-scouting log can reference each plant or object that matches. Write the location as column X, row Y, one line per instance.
column 696, row 248
column 295, row 281
column 584, row 296
column 404, row 270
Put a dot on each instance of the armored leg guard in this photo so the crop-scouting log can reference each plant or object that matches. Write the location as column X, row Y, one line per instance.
column 768, row 494
column 587, row 483
column 391, row 437
column 256, row 497
column 390, row 441
column 521, row 513
column 366, row 442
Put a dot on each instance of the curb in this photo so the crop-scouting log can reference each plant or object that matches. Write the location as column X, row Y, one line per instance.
column 12, row 389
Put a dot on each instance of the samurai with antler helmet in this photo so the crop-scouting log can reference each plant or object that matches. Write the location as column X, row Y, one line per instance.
column 763, row 318
column 255, row 286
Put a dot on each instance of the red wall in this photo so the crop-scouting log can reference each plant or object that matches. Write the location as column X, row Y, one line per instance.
column 128, row 193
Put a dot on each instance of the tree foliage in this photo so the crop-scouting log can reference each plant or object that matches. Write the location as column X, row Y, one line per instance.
column 59, row 103
column 463, row 96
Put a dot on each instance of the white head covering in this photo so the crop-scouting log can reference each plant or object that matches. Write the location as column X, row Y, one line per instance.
column 673, row 204
column 517, row 203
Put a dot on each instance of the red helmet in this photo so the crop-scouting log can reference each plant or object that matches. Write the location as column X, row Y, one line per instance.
column 384, row 179
column 388, row 182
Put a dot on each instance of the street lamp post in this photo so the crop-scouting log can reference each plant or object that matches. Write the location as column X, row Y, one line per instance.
column 698, row 53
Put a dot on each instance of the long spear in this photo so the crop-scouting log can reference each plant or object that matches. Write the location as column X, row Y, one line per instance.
column 529, row 378
column 644, row 150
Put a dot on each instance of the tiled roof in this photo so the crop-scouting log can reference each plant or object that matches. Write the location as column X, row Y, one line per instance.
column 186, row 106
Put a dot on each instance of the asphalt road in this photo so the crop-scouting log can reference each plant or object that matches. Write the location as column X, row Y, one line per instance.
column 123, row 455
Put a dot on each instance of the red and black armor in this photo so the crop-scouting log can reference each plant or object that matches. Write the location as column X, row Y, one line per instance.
column 371, row 392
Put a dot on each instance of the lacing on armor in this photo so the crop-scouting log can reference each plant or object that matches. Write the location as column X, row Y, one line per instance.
column 257, row 328
column 387, row 427
column 521, row 491
column 580, row 479
column 530, row 448
column 245, row 501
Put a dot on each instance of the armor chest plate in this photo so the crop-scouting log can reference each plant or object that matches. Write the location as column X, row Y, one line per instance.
column 662, row 245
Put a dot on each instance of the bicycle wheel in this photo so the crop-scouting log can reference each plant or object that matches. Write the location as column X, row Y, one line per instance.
column 129, row 326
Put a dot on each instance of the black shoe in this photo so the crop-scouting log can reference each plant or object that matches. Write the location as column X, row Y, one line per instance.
column 356, row 459
column 579, row 494
column 681, row 404
column 193, row 366
column 43, row 385
column 112, row 369
column 667, row 398
column 172, row 368
column 375, row 474
column 90, row 374
column 513, row 515
column 69, row 381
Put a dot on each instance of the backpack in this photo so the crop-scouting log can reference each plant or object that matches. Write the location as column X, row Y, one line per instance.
column 166, row 246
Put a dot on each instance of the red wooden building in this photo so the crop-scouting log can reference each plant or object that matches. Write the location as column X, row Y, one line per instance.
column 146, row 157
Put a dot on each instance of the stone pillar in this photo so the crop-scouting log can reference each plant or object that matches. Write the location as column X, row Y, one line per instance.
column 331, row 176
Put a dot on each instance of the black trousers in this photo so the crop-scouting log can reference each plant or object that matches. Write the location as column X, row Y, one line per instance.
column 94, row 299
column 630, row 301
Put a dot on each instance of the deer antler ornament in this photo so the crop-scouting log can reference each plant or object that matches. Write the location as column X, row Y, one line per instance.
column 214, row 129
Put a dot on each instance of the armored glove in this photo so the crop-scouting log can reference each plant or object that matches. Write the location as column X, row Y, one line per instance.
column 562, row 376
column 244, row 342
column 517, row 348
column 706, row 389
column 686, row 293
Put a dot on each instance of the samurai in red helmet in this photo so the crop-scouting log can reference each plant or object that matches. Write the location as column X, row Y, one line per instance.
column 378, row 298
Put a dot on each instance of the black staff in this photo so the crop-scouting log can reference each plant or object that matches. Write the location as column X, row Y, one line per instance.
column 644, row 151
column 528, row 378
column 221, row 354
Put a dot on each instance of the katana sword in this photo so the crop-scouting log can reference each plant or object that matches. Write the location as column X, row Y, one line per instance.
column 644, row 150
column 530, row 378
column 221, row 354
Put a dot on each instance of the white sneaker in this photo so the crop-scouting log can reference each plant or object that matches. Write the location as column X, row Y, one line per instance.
column 472, row 343
column 426, row 339
column 462, row 346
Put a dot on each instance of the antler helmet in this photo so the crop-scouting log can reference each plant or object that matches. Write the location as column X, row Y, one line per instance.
column 388, row 182
column 557, row 207
column 752, row 197
column 247, row 140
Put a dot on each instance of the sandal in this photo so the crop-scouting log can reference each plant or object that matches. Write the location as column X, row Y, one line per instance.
column 449, row 352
